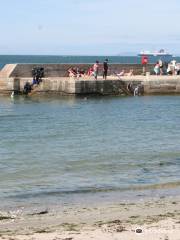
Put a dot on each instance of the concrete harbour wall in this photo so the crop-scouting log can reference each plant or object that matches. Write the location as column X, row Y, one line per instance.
column 61, row 70
column 56, row 80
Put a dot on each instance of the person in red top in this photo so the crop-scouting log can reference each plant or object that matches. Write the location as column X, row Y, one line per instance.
column 144, row 62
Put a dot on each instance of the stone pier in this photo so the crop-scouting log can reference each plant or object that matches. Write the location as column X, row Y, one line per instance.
column 56, row 80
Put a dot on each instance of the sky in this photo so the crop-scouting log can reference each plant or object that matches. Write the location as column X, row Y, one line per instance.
column 89, row 27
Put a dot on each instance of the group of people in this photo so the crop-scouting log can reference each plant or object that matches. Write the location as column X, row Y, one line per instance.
column 164, row 68
column 76, row 72
column 160, row 68
column 92, row 71
column 37, row 74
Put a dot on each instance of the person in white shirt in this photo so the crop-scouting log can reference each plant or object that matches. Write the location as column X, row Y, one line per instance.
column 96, row 69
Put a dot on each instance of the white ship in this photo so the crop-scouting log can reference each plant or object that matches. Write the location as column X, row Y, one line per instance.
column 160, row 53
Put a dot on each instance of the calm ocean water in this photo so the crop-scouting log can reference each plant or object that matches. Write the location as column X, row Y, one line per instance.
column 53, row 147
column 56, row 148
column 74, row 59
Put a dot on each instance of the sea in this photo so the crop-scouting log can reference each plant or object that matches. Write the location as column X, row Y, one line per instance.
column 5, row 59
column 63, row 150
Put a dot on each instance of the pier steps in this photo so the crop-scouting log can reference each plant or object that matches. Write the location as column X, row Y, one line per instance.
column 6, row 83
column 7, row 70
column 36, row 88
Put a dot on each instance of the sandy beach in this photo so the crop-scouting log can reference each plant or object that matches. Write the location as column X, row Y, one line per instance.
column 151, row 219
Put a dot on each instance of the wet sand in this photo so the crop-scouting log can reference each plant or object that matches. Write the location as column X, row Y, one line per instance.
column 157, row 218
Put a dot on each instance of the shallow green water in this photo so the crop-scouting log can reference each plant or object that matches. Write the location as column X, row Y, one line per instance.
column 53, row 147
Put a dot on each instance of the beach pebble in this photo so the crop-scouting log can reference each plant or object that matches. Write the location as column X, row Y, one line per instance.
column 138, row 230
column 120, row 229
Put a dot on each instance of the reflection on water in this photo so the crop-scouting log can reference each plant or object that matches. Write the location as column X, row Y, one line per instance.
column 63, row 145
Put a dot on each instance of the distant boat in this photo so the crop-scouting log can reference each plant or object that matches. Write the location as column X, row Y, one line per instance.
column 160, row 53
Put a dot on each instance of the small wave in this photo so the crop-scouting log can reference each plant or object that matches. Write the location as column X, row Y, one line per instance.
column 169, row 185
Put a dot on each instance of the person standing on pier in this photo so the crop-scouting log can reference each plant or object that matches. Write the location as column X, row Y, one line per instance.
column 161, row 65
column 105, row 69
column 144, row 61
column 96, row 69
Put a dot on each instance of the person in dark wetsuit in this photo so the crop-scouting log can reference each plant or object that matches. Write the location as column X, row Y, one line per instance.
column 130, row 88
column 105, row 69
column 27, row 88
